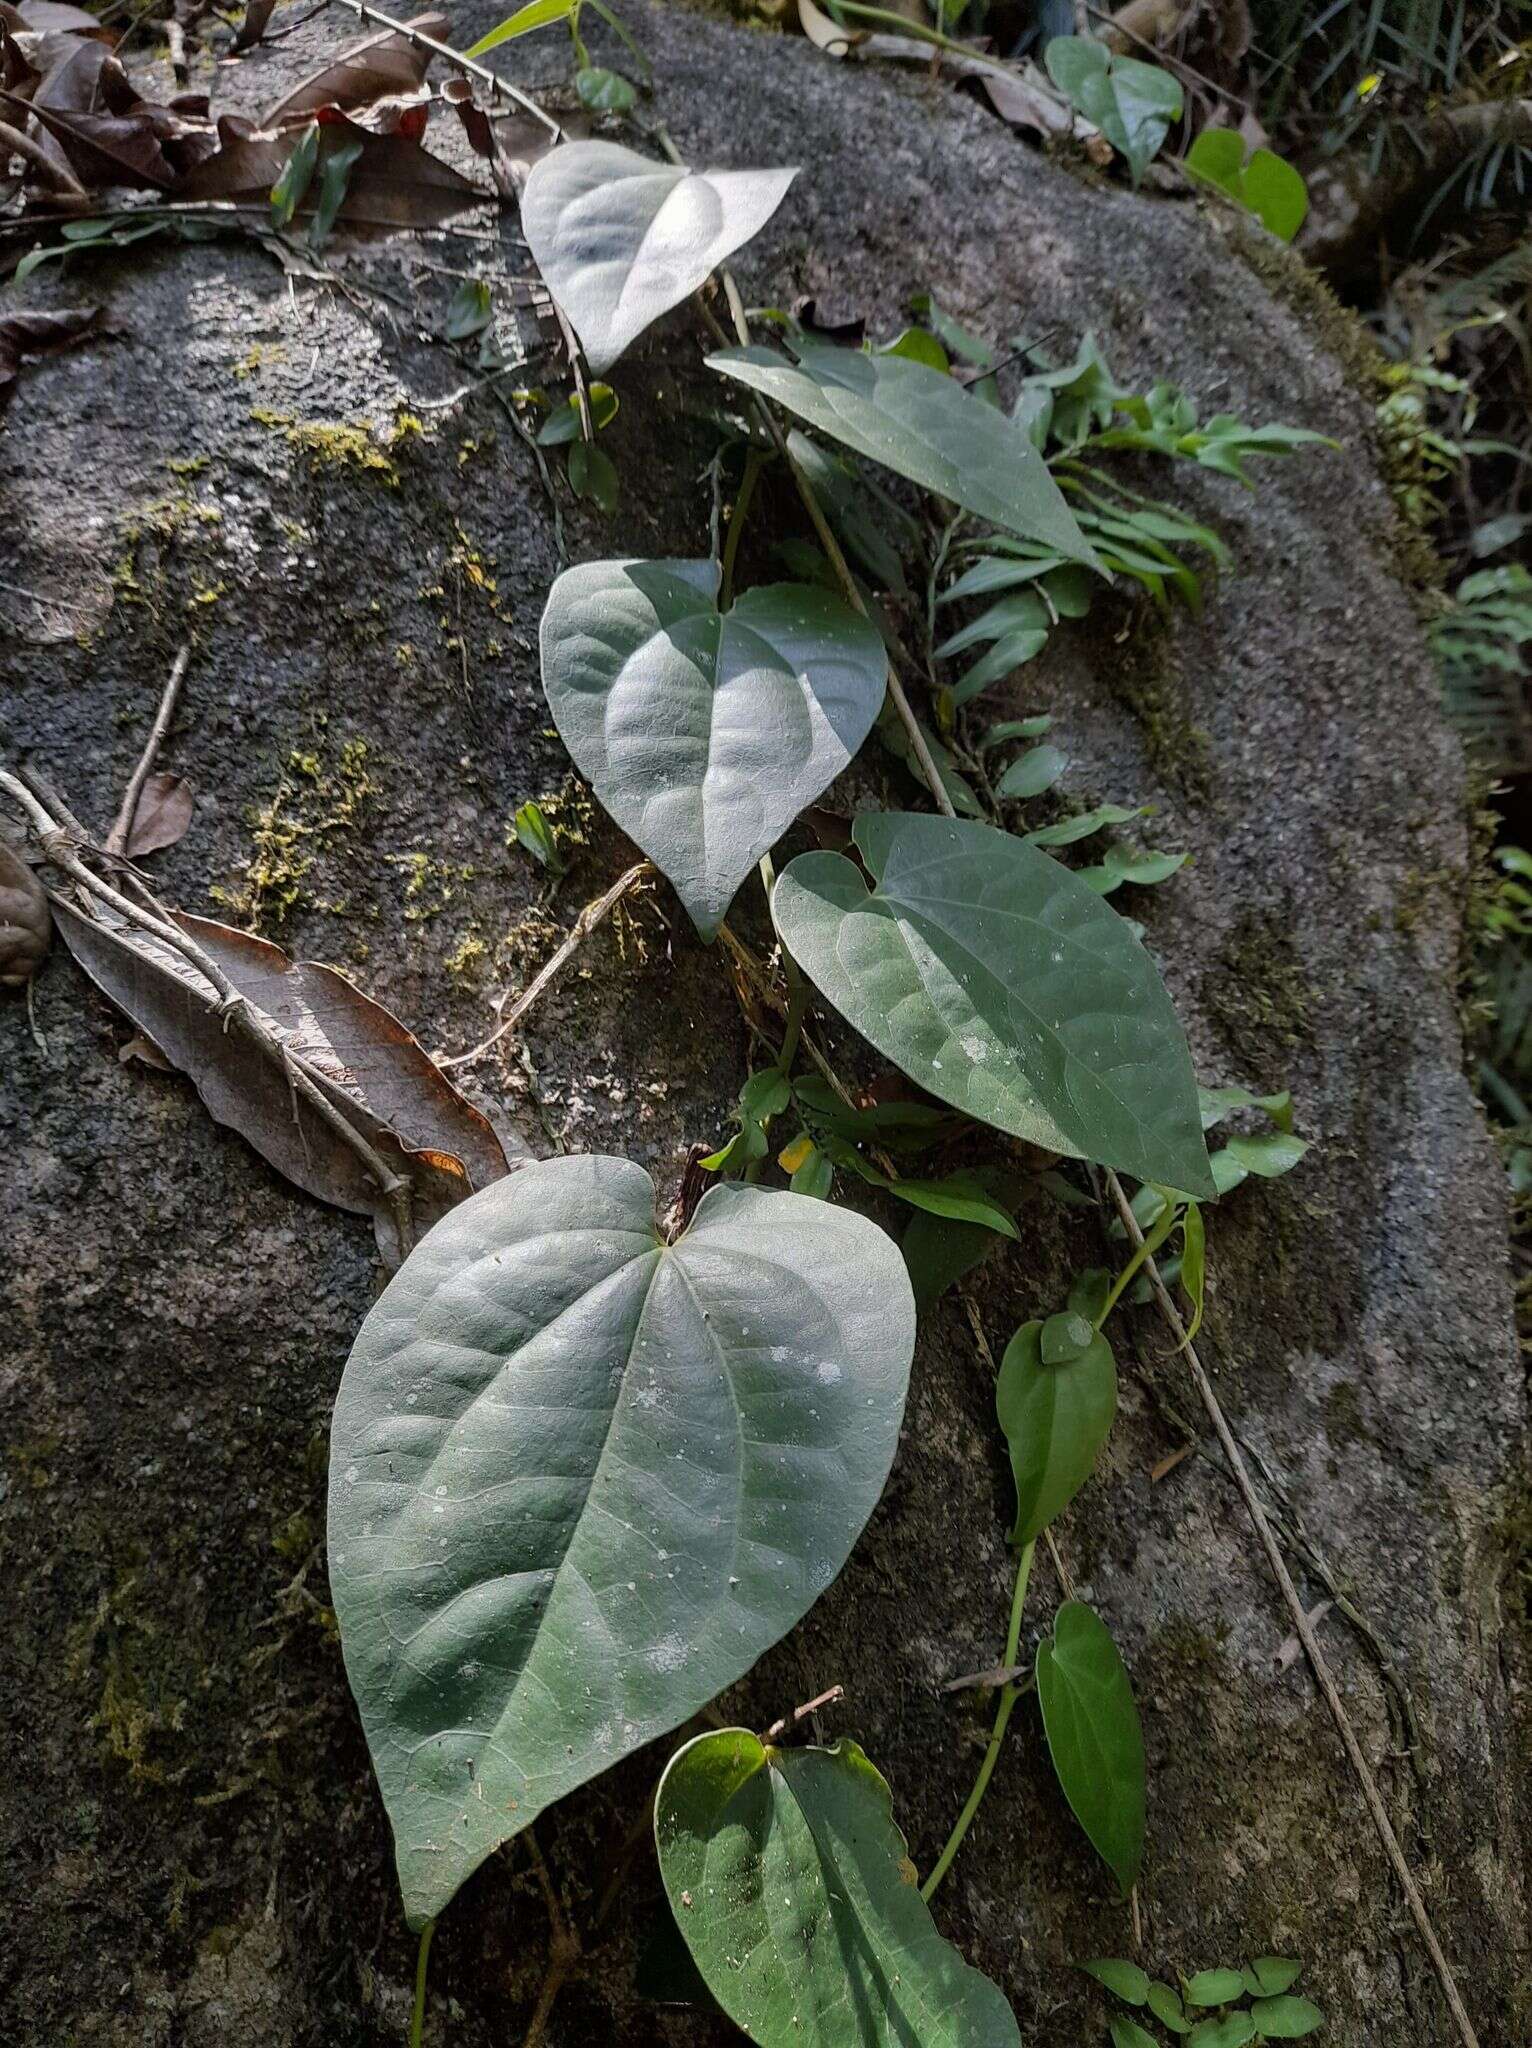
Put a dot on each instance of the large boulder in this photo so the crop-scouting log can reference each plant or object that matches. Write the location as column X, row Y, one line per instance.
column 193, row 1846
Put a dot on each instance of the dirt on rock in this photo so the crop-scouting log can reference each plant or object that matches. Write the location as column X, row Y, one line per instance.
column 193, row 1848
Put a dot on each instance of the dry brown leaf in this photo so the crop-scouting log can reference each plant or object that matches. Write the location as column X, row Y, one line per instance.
column 146, row 1052
column 373, row 69
column 394, row 183
column 368, row 1065
column 25, row 925
column 25, row 336
column 257, row 14
column 164, row 812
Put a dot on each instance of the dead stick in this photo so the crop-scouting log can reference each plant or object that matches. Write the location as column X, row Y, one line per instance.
column 59, row 176
column 1301, row 1625
column 117, row 839
column 580, row 930
column 829, row 1698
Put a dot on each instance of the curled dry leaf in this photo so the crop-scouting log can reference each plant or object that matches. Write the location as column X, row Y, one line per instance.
column 258, row 14
column 371, row 1068
column 25, row 336
column 164, row 812
column 393, row 181
column 376, row 68
column 25, row 925
column 51, row 17
column 825, row 34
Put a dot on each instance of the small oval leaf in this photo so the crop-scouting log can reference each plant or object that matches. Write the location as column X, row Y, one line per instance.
column 704, row 733
column 581, row 1479
column 1123, row 1979
column 1055, row 1420
column 1214, row 1987
column 1288, row 2018
column 1000, row 982
column 791, row 1884
column 1094, row 1736
column 621, row 239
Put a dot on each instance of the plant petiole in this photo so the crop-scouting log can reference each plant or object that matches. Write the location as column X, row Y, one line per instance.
column 417, row 2017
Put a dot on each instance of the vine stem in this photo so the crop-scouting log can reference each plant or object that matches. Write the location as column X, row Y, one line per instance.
column 1010, row 1693
column 1302, row 1627
column 122, row 831
column 737, row 526
column 418, row 2016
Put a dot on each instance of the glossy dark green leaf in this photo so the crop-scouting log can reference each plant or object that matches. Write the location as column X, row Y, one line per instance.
column 1123, row 1979
column 914, row 420
column 1270, row 1976
column 1214, row 1987
column 620, row 239
column 581, row 1479
column 998, row 981
column 1287, row 2018
column 1094, row 1736
column 704, row 733
column 793, row 1889
column 1055, row 1418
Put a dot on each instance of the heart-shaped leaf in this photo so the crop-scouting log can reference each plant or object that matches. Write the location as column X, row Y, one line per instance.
column 1094, row 1736
column 1002, row 983
column 621, row 239
column 793, row 1888
column 704, row 733
column 1055, row 1419
column 1132, row 103
column 926, row 426
column 581, row 1479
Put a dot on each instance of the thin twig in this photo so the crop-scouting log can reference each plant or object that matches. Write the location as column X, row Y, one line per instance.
column 580, row 930
column 14, row 143
column 117, row 839
column 831, row 1697
column 500, row 87
column 1301, row 1625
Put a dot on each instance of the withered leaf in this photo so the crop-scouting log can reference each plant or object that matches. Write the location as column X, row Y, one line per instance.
column 25, row 925
column 27, row 335
column 373, row 69
column 393, row 183
column 164, row 812
column 93, row 117
column 371, row 1068
column 826, row 34
column 51, row 17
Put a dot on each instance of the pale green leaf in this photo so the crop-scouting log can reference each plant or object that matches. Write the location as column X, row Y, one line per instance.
column 1032, row 772
column 1123, row 1979
column 1275, row 191
column 792, row 1887
column 1094, row 1736
column 603, row 91
column 914, row 420
column 620, row 239
column 705, row 733
column 1214, row 1987
column 1287, row 2018
column 581, row 1480
column 536, row 14
column 1270, row 1154
column 999, row 982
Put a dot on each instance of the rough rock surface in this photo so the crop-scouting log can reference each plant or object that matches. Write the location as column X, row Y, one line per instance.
column 192, row 1847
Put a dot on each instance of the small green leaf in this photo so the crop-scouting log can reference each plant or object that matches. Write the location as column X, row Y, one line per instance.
column 1166, row 2007
column 1132, row 103
column 334, row 178
column 1015, row 729
column 1217, row 156
column 1194, row 1265
column 1071, row 829
column 1276, row 192
column 593, row 475
column 1273, row 1154
column 471, row 309
column 1031, row 773
column 563, row 424
column 536, row 14
column 1124, row 1980
column 1094, row 1737
column 1228, row 1174
column 1217, row 1102
column 1128, row 2033
column 793, row 1889
column 292, row 185
column 603, row 91
column 918, row 345
column 1055, row 1419
column 1287, row 2018
column 1214, row 1987
column 815, row 1176
column 766, row 1093
column 1089, row 1292
column 960, row 1197
column 535, row 834
column 1269, row 1976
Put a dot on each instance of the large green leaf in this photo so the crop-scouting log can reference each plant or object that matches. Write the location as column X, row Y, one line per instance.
column 1094, row 1736
column 1132, row 103
column 1002, row 983
column 1055, row 1419
column 791, row 1883
column 621, row 239
column 581, row 1479
column 705, row 733
column 914, row 420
